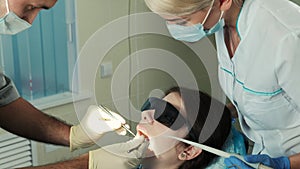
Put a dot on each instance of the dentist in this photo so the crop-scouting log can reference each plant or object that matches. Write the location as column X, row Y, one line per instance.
column 258, row 44
column 19, row 117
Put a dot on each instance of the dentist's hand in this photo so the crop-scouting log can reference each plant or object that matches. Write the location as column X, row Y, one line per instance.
column 121, row 156
column 276, row 163
column 94, row 124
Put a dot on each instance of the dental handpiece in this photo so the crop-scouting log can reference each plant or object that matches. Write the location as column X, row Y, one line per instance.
column 106, row 110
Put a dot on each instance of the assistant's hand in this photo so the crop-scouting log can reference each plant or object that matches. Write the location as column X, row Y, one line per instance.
column 235, row 163
column 94, row 124
column 276, row 163
column 121, row 156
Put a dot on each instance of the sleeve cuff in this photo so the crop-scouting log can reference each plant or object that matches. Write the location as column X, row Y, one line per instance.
column 8, row 91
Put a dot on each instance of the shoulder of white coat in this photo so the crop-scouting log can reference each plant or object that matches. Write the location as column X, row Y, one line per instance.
column 285, row 12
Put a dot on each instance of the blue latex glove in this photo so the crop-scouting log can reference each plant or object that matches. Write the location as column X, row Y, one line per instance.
column 276, row 163
column 234, row 163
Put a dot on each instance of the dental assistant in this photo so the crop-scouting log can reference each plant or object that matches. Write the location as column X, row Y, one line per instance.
column 258, row 45
column 20, row 117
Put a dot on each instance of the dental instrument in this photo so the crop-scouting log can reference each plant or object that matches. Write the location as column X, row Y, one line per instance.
column 106, row 110
column 221, row 153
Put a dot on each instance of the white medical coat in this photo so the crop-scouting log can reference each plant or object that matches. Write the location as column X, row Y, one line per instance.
column 263, row 77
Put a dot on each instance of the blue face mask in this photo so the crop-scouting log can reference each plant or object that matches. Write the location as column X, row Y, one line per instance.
column 11, row 24
column 195, row 32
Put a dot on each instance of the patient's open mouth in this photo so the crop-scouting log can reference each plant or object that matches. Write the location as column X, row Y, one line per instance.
column 143, row 134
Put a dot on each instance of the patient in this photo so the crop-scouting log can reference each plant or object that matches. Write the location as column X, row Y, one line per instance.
column 182, row 113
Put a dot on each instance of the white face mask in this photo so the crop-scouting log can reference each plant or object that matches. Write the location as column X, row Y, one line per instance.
column 195, row 32
column 11, row 24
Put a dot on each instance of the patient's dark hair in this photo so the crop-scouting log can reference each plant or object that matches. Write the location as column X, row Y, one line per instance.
column 199, row 106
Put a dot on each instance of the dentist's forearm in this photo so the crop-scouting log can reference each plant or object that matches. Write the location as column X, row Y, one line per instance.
column 295, row 161
column 23, row 119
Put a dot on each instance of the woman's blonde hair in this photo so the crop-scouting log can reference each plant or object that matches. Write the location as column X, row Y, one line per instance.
column 180, row 7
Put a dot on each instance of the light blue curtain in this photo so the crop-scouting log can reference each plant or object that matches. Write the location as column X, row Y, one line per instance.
column 38, row 59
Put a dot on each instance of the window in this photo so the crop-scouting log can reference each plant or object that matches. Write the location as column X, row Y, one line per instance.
column 41, row 59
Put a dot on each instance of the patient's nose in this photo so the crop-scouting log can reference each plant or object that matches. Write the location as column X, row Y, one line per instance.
column 147, row 116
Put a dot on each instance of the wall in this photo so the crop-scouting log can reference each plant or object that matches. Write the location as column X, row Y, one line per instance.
column 296, row 1
column 135, row 87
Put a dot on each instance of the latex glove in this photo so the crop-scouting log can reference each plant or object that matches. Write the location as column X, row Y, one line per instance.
column 276, row 163
column 93, row 125
column 118, row 155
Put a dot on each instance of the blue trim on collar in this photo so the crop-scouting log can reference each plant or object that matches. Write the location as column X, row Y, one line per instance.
column 237, row 21
column 250, row 90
